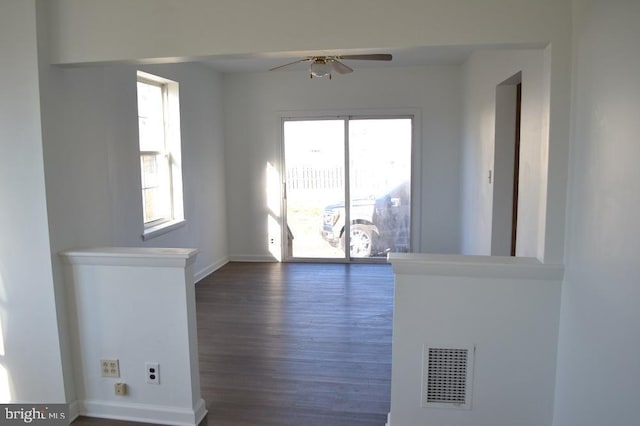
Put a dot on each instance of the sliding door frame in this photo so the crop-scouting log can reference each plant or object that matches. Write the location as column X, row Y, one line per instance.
column 414, row 115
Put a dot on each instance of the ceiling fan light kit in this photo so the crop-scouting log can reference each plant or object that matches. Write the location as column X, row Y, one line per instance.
column 322, row 66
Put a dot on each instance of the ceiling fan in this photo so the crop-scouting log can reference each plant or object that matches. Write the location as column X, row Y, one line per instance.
column 322, row 66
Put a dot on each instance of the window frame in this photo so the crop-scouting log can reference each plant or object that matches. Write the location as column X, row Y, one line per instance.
column 171, row 159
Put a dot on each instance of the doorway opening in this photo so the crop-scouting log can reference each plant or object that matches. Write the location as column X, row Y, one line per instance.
column 506, row 173
column 347, row 188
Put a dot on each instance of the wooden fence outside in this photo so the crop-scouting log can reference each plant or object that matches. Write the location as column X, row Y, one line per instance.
column 333, row 178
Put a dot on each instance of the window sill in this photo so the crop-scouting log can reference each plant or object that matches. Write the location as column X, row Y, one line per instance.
column 163, row 228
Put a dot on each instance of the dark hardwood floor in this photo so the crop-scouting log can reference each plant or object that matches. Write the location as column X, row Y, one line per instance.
column 294, row 344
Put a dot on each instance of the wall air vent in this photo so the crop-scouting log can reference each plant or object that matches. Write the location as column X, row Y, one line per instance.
column 447, row 376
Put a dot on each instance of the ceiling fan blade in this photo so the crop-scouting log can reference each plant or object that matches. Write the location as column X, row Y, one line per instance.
column 368, row 57
column 340, row 67
column 290, row 63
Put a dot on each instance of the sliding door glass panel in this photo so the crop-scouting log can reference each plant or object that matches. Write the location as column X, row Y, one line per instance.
column 315, row 188
column 379, row 186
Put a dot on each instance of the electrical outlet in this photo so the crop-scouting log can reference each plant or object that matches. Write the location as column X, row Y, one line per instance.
column 152, row 370
column 110, row 368
column 120, row 388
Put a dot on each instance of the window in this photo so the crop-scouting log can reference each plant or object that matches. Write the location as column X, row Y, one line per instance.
column 160, row 155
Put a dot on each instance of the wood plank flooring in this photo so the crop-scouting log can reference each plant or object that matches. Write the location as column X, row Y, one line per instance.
column 294, row 344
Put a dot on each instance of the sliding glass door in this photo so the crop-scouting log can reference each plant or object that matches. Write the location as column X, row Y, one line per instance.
column 314, row 179
column 380, row 186
column 347, row 187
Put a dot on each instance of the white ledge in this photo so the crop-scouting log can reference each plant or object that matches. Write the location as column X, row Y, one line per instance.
column 527, row 268
column 130, row 256
column 163, row 228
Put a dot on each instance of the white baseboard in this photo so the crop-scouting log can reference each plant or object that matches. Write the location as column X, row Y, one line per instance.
column 198, row 276
column 73, row 411
column 145, row 413
column 251, row 258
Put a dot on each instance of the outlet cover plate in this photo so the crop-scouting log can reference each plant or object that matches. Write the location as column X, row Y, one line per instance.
column 120, row 388
column 110, row 368
column 152, row 370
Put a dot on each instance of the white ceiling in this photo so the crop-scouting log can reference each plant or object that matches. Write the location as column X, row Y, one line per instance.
column 434, row 55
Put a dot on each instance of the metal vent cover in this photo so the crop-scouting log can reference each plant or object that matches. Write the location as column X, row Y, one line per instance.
column 447, row 376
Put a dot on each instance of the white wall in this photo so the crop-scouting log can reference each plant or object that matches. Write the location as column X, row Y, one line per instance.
column 84, row 29
column 483, row 72
column 598, row 368
column 30, row 360
column 92, row 165
column 255, row 101
column 507, row 307
column 154, row 284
